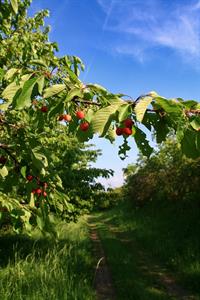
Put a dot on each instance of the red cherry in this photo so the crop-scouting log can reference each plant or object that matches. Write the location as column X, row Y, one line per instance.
column 38, row 191
column 33, row 191
column 29, row 177
column 44, row 194
column 44, row 109
column 119, row 131
column 80, row 114
column 84, row 126
column 127, row 131
column 61, row 117
column 67, row 118
column 128, row 123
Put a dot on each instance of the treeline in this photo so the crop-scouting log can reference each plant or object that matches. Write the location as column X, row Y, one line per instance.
column 166, row 175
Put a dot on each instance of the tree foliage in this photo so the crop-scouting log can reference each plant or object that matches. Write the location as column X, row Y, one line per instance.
column 166, row 175
column 37, row 87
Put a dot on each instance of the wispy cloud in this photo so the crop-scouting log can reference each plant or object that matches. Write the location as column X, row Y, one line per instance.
column 143, row 26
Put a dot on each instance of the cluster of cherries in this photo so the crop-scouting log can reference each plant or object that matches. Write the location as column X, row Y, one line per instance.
column 126, row 130
column 84, row 125
column 66, row 117
column 38, row 191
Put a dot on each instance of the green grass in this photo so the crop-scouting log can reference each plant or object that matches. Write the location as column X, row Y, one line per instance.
column 41, row 268
column 135, row 241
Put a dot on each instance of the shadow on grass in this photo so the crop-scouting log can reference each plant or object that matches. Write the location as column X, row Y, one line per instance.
column 129, row 281
column 139, row 249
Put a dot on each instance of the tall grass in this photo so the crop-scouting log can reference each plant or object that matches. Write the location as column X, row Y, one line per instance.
column 42, row 268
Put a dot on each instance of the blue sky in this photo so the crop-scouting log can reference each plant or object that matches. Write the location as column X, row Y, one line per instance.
column 130, row 46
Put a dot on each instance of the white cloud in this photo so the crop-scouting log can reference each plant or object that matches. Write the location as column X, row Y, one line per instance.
column 154, row 23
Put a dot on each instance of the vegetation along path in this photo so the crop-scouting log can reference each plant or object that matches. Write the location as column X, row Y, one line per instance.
column 136, row 274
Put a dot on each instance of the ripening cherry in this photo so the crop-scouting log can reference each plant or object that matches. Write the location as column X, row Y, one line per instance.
column 44, row 109
column 80, row 114
column 127, row 131
column 128, row 123
column 84, row 126
column 29, row 177
column 119, row 131
column 44, row 194
column 67, row 118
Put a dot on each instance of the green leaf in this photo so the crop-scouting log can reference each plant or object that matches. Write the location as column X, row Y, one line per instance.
column 4, row 171
column 102, row 119
column 142, row 143
column 74, row 93
column 23, row 171
column 189, row 144
column 14, row 4
column 190, row 104
column 110, row 134
column 32, row 200
column 40, row 83
column 195, row 123
column 54, row 90
column 97, row 88
column 39, row 159
column 170, row 106
column 2, row 72
column 40, row 222
column 57, row 109
column 141, row 107
column 70, row 72
column 124, row 111
column 38, row 62
column 24, row 98
column 11, row 90
column 123, row 149
column 9, row 74
column 89, row 115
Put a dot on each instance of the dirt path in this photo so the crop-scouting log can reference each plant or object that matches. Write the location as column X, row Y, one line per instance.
column 102, row 278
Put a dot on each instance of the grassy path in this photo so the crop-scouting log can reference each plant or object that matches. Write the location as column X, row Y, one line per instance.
column 136, row 275
column 102, row 277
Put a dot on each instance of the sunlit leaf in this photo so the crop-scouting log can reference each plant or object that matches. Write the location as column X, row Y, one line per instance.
column 141, row 107
column 14, row 4
column 54, row 90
